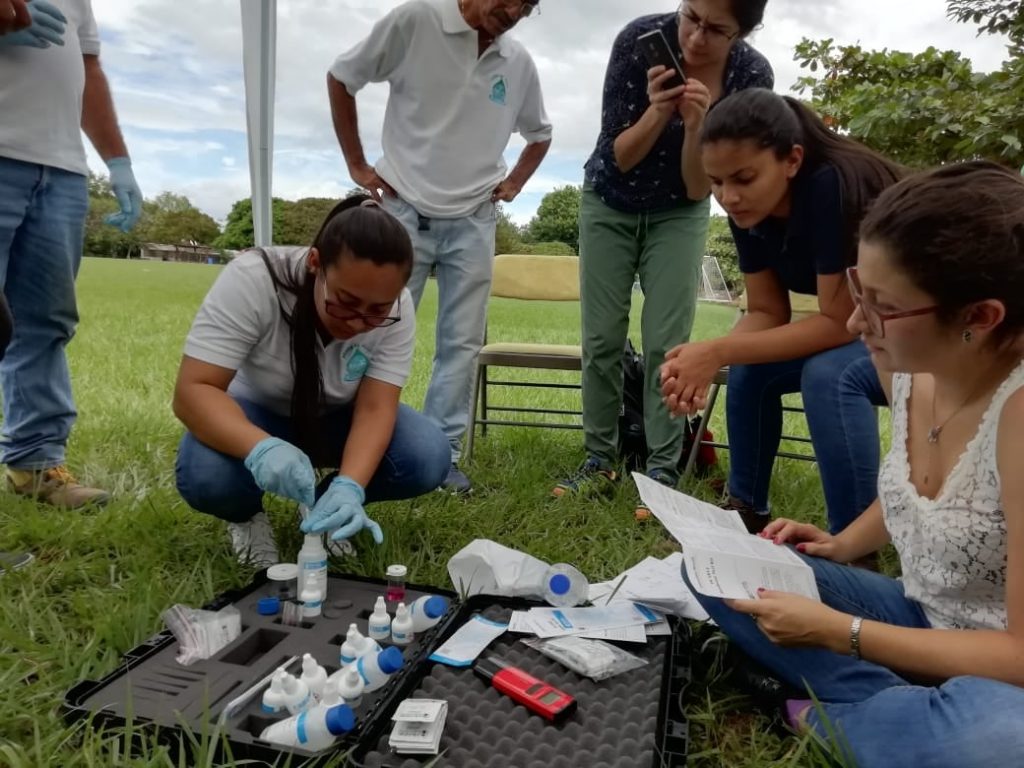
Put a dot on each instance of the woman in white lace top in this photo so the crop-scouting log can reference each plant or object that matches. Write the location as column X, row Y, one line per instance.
column 929, row 669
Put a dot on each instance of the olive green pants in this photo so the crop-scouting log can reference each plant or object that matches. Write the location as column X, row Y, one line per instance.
column 665, row 249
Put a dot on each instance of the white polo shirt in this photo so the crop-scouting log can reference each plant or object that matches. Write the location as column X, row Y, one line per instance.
column 450, row 112
column 41, row 94
column 240, row 327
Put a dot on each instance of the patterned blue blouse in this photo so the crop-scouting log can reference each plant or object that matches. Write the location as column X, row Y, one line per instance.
column 656, row 182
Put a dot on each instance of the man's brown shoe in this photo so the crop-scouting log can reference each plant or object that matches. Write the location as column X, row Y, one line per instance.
column 55, row 486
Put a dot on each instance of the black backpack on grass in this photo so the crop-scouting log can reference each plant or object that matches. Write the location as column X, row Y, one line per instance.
column 632, row 436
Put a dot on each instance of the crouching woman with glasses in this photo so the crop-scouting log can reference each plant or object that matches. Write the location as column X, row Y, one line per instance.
column 295, row 361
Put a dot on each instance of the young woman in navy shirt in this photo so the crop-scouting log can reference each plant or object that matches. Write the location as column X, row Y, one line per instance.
column 795, row 192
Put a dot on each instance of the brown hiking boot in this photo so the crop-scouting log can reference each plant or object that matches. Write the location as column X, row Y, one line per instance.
column 754, row 521
column 55, row 486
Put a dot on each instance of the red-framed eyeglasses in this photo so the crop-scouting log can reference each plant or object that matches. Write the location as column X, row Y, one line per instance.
column 875, row 318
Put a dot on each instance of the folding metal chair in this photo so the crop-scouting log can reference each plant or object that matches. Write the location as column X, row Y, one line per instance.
column 527, row 278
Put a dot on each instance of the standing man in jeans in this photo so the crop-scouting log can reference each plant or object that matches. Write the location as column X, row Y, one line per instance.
column 51, row 89
column 459, row 88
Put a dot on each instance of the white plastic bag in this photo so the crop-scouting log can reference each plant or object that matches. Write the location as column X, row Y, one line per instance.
column 486, row 567
column 201, row 634
column 595, row 659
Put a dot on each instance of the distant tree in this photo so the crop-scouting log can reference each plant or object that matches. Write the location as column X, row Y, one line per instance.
column 300, row 220
column 927, row 108
column 238, row 229
column 168, row 202
column 188, row 226
column 558, row 218
column 507, row 237
column 101, row 239
column 171, row 218
column 296, row 222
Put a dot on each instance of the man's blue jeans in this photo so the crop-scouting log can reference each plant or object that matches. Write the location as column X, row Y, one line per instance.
column 42, row 225
column 462, row 252
column 416, row 461
column 884, row 719
column 840, row 390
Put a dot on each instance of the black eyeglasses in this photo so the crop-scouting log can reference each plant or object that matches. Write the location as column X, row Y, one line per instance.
column 688, row 18
column 340, row 312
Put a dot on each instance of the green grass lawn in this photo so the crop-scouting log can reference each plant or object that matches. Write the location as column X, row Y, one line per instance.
column 102, row 578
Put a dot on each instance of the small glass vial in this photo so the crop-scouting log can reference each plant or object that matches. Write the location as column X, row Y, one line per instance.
column 396, row 584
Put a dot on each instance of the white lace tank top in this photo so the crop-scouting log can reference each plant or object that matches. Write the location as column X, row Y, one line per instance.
column 952, row 548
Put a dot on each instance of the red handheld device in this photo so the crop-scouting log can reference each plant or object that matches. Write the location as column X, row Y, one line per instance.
column 536, row 695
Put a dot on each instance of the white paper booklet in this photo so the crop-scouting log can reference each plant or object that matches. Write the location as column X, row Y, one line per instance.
column 721, row 558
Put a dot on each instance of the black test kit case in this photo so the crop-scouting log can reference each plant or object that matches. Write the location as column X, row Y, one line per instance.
column 633, row 719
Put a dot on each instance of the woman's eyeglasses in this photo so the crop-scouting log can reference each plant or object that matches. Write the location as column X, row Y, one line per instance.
column 340, row 312
column 690, row 20
column 875, row 318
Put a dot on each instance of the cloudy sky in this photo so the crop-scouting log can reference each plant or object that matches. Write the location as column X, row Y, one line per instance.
column 176, row 73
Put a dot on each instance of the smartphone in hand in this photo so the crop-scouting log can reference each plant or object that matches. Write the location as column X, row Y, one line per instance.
column 657, row 52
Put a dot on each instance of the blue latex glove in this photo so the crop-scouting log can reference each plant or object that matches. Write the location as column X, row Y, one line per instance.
column 47, row 27
column 341, row 508
column 127, row 192
column 281, row 468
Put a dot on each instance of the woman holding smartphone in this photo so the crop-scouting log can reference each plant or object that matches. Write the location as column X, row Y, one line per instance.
column 645, row 210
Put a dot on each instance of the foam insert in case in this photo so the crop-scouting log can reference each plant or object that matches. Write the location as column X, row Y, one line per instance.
column 632, row 719
column 155, row 693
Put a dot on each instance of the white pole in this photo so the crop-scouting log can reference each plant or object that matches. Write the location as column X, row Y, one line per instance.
column 259, row 57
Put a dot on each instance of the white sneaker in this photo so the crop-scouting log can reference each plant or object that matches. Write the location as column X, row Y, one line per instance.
column 343, row 548
column 253, row 541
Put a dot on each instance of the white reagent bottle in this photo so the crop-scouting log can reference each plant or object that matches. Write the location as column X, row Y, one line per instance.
column 296, row 694
column 312, row 561
column 312, row 602
column 350, row 649
column 377, row 669
column 401, row 627
column 350, row 687
column 314, row 676
column 274, row 696
column 379, row 624
column 315, row 730
column 426, row 611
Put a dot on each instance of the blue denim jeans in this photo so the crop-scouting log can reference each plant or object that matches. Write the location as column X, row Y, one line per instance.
column 416, row 461
column 462, row 251
column 42, row 226
column 884, row 719
column 840, row 390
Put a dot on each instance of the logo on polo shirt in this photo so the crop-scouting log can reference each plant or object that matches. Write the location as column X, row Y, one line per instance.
column 499, row 90
column 356, row 363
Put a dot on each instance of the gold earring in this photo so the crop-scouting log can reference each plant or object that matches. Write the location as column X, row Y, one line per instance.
column 968, row 336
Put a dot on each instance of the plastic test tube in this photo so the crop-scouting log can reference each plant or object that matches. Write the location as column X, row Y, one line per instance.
column 396, row 583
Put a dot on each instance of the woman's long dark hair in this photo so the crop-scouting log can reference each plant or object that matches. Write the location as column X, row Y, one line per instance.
column 779, row 123
column 361, row 229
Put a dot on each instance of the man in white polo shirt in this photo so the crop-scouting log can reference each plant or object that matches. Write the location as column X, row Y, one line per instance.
column 51, row 89
column 459, row 88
